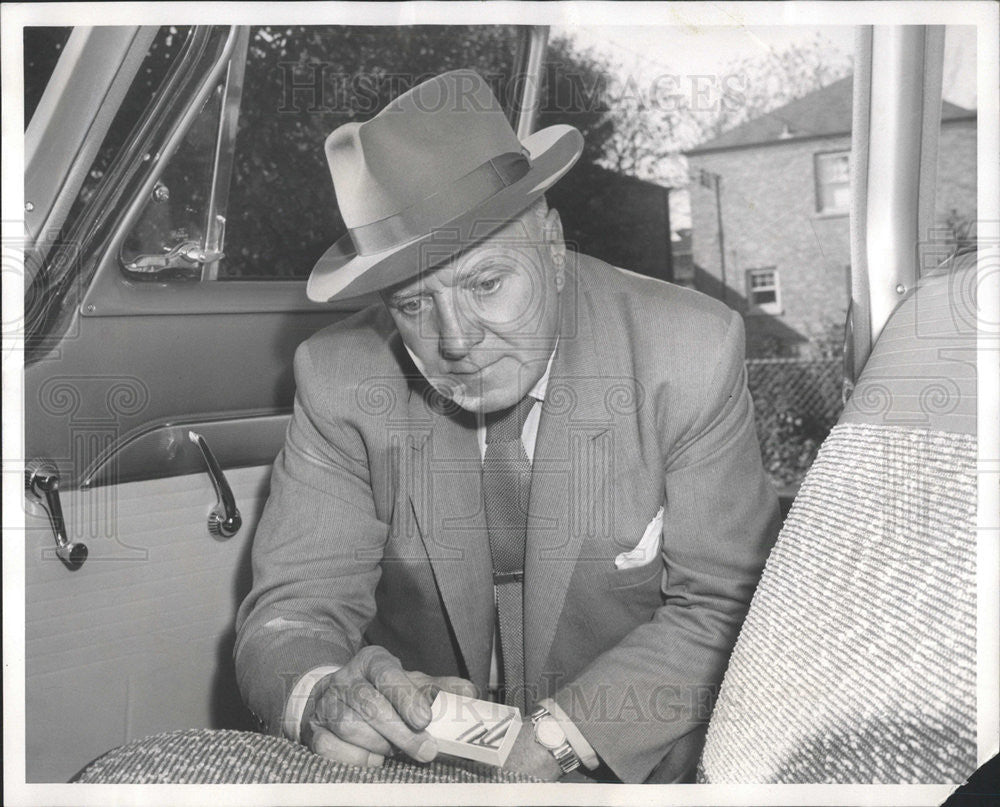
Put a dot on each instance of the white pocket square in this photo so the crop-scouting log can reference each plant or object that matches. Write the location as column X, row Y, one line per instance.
column 647, row 548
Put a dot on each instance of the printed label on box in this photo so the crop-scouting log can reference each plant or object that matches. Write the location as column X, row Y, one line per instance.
column 473, row 729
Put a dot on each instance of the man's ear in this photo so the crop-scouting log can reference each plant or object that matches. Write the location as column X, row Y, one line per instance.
column 553, row 230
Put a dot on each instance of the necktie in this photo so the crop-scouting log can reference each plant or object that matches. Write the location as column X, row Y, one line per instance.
column 506, row 485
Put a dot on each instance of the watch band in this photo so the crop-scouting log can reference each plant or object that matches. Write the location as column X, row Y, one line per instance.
column 567, row 759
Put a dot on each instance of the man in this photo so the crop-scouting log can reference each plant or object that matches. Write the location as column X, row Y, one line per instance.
column 524, row 474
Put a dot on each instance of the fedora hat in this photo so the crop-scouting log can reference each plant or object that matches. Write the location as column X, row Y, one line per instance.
column 436, row 170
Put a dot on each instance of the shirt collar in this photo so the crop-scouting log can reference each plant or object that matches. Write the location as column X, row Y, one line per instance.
column 541, row 386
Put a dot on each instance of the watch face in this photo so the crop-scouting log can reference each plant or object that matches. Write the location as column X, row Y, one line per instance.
column 549, row 733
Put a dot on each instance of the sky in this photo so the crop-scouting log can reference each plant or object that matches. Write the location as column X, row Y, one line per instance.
column 689, row 50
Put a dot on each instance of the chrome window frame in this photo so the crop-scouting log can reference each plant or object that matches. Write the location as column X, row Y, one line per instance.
column 885, row 147
column 71, row 266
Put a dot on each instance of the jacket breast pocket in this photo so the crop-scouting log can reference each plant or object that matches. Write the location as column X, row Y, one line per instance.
column 637, row 591
column 636, row 576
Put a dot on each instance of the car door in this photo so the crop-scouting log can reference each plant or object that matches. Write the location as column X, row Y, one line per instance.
column 175, row 226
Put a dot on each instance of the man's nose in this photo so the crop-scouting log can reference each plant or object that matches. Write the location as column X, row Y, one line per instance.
column 457, row 332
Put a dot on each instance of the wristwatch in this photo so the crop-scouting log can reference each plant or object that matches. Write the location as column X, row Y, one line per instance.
column 549, row 734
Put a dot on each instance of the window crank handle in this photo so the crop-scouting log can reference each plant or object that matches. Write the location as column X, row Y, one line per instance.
column 42, row 480
column 225, row 519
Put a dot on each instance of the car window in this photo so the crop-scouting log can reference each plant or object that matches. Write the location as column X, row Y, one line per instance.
column 299, row 84
column 303, row 82
column 60, row 275
column 162, row 55
column 955, row 193
column 173, row 225
column 750, row 154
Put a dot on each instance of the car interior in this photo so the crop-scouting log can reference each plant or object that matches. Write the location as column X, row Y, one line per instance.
column 162, row 311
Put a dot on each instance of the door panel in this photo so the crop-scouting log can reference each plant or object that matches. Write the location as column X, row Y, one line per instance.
column 139, row 639
column 166, row 449
column 119, row 374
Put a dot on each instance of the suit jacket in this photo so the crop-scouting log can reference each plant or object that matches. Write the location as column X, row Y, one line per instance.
column 374, row 531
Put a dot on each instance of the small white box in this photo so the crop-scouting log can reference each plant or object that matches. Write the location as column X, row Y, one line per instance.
column 473, row 729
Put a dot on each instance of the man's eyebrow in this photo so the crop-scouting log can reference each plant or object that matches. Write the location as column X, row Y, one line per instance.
column 481, row 267
column 401, row 296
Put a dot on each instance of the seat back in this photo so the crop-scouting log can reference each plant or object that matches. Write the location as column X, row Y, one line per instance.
column 856, row 662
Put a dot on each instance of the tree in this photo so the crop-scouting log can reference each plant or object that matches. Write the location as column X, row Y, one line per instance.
column 755, row 85
column 646, row 127
column 606, row 211
column 575, row 92
column 308, row 80
column 640, row 133
column 302, row 82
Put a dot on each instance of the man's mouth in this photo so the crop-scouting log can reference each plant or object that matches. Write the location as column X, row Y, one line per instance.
column 471, row 372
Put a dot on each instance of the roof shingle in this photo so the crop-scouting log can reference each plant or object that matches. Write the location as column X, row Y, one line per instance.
column 826, row 111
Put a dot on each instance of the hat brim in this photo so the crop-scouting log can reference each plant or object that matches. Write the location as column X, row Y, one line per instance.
column 342, row 273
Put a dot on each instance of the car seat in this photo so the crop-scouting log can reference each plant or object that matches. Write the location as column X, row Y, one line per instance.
column 857, row 660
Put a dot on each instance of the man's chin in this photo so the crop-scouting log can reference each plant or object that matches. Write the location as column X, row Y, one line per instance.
column 488, row 403
column 491, row 390
column 458, row 394
column 474, row 400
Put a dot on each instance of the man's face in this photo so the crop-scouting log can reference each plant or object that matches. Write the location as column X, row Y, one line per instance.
column 483, row 324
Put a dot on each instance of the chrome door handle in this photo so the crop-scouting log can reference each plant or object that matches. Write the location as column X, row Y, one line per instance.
column 41, row 478
column 225, row 519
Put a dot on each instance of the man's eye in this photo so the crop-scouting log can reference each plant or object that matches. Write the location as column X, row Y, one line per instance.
column 488, row 285
column 411, row 306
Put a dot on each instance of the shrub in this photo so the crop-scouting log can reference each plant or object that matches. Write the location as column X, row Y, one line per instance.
column 797, row 402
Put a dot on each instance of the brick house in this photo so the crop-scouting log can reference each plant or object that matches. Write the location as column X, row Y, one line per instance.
column 776, row 189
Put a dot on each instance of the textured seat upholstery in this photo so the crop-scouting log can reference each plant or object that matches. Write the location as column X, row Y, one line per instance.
column 856, row 663
column 204, row 756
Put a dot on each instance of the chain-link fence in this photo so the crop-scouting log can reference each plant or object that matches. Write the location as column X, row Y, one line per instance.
column 797, row 402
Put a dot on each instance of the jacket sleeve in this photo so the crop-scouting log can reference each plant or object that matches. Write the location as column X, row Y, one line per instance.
column 315, row 555
column 644, row 704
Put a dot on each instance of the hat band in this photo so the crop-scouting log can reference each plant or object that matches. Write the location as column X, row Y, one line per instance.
column 439, row 208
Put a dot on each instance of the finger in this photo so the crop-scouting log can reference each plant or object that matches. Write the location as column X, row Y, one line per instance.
column 408, row 698
column 333, row 714
column 432, row 684
column 453, row 684
column 354, row 729
column 381, row 716
column 328, row 745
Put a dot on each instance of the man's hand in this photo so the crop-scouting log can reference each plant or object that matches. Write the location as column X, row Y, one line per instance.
column 372, row 707
column 529, row 757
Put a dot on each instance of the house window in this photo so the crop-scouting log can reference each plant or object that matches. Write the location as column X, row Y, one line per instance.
column 763, row 291
column 833, row 182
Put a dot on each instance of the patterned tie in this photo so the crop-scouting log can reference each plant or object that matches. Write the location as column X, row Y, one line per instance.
column 506, row 485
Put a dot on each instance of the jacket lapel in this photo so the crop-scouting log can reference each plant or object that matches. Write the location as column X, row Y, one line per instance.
column 445, row 493
column 569, row 484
